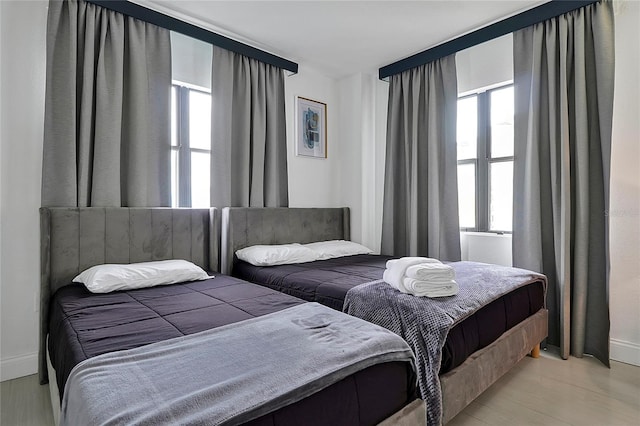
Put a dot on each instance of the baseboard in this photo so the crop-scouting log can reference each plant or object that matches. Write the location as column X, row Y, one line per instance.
column 18, row 366
column 627, row 352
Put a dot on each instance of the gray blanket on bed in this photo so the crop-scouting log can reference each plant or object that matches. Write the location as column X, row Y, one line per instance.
column 424, row 323
column 227, row 375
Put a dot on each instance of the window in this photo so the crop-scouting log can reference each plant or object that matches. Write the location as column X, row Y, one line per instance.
column 190, row 146
column 485, row 160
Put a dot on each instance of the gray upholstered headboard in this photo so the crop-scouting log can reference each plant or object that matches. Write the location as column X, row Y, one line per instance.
column 247, row 226
column 74, row 239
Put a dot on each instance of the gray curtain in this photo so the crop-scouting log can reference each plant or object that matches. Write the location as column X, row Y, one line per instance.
column 564, row 73
column 248, row 133
column 420, row 207
column 107, row 106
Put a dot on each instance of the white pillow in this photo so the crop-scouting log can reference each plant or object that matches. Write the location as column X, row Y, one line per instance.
column 277, row 254
column 111, row 277
column 337, row 248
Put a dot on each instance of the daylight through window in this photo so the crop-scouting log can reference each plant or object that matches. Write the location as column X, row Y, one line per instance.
column 485, row 160
column 190, row 146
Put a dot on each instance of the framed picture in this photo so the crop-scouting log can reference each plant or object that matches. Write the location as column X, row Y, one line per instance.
column 311, row 128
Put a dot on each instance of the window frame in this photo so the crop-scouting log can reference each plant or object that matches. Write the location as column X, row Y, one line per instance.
column 483, row 160
column 183, row 144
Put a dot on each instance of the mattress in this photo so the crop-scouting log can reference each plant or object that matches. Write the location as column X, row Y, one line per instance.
column 84, row 325
column 328, row 281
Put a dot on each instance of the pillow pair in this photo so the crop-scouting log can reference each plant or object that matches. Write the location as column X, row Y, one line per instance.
column 285, row 254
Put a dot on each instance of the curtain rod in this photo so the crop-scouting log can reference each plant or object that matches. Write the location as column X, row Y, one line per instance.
column 160, row 19
column 517, row 22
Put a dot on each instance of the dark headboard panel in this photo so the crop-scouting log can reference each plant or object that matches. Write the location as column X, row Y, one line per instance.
column 76, row 238
column 247, row 226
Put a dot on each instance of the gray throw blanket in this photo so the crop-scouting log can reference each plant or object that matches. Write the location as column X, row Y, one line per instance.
column 424, row 323
column 228, row 375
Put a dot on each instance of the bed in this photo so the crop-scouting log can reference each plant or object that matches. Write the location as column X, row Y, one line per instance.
column 517, row 321
column 77, row 325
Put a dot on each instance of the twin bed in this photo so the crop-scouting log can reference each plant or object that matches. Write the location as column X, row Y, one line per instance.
column 81, row 326
column 477, row 351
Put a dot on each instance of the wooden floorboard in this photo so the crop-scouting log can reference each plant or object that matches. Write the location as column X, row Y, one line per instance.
column 552, row 391
column 543, row 391
column 23, row 402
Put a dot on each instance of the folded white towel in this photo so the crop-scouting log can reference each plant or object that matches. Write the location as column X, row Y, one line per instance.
column 387, row 276
column 431, row 272
column 393, row 263
column 430, row 289
column 396, row 269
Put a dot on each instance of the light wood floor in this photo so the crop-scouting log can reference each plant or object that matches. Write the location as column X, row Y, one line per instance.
column 552, row 391
column 546, row 391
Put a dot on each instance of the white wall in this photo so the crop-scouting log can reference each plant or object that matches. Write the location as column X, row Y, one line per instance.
column 350, row 155
column 363, row 117
column 190, row 60
column 624, row 211
column 381, row 107
column 486, row 247
column 313, row 181
column 22, row 48
column 348, row 176
column 486, row 64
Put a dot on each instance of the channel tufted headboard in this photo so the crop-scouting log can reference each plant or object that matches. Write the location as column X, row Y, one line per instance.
column 75, row 238
column 246, row 226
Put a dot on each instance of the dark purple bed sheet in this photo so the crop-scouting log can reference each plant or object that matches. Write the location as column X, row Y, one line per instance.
column 328, row 281
column 84, row 325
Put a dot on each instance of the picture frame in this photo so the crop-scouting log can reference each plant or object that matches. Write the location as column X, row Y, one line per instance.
column 311, row 128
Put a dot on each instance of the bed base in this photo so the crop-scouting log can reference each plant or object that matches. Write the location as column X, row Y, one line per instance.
column 456, row 392
column 466, row 382
column 54, row 393
column 411, row 415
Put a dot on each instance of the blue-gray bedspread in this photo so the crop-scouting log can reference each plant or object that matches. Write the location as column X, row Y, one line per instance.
column 228, row 375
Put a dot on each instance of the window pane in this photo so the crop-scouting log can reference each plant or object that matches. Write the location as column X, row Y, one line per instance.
column 467, row 195
column 174, row 178
column 467, row 128
column 200, row 172
column 501, row 198
column 174, row 116
column 502, row 122
column 199, row 120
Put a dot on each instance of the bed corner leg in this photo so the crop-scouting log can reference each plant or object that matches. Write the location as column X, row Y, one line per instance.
column 535, row 352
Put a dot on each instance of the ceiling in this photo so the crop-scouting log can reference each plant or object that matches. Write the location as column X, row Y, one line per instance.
column 341, row 38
